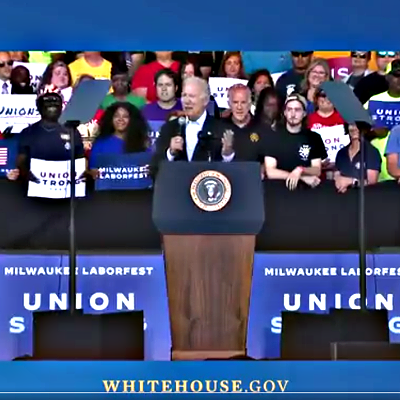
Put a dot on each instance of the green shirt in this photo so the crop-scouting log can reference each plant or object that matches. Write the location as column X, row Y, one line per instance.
column 42, row 57
column 136, row 101
column 380, row 145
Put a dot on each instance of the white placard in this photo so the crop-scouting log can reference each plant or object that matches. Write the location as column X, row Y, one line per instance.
column 18, row 111
column 54, row 179
column 36, row 71
column 219, row 89
column 334, row 138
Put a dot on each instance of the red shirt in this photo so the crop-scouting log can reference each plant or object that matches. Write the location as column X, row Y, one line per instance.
column 315, row 121
column 144, row 77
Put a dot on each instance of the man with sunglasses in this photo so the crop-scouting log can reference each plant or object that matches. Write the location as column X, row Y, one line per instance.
column 376, row 82
column 5, row 72
column 359, row 67
column 290, row 81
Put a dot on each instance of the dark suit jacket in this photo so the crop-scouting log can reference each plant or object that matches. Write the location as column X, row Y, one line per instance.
column 171, row 129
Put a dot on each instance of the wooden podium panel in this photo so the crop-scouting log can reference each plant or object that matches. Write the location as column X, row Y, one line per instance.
column 209, row 284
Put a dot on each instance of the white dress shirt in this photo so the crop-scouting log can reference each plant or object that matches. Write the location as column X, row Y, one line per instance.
column 192, row 130
column 3, row 85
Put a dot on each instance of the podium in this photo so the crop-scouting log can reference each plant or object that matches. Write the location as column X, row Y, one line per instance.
column 208, row 215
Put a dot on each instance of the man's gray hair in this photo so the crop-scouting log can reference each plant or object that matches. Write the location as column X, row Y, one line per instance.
column 200, row 82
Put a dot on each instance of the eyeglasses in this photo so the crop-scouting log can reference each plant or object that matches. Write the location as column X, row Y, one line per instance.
column 356, row 54
column 9, row 63
column 386, row 53
column 302, row 53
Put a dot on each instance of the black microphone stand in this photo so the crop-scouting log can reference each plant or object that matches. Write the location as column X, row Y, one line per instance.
column 361, row 224
column 71, row 129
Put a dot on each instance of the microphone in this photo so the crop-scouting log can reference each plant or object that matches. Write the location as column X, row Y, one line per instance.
column 182, row 125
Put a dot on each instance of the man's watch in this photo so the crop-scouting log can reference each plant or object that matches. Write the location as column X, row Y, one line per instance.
column 356, row 183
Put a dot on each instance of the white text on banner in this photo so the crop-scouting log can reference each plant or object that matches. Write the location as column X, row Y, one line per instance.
column 334, row 138
column 219, row 89
column 53, row 179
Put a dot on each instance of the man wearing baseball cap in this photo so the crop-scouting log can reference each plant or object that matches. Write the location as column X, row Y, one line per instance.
column 295, row 153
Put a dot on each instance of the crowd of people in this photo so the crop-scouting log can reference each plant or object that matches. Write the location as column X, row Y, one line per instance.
column 286, row 124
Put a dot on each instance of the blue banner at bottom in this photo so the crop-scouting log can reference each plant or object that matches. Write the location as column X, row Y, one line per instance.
column 293, row 379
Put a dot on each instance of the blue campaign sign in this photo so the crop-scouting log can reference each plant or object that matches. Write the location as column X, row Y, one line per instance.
column 123, row 171
column 386, row 114
column 8, row 155
column 155, row 127
column 305, row 282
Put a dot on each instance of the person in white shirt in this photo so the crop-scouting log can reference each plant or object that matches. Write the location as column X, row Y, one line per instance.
column 5, row 72
column 197, row 136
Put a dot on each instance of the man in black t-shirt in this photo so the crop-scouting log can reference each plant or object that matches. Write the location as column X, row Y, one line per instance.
column 249, row 136
column 46, row 139
column 295, row 153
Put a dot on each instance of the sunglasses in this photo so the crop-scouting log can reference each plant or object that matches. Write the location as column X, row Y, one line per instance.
column 386, row 53
column 359, row 55
column 9, row 63
column 302, row 53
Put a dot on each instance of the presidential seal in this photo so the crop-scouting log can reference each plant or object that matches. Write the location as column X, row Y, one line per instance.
column 211, row 191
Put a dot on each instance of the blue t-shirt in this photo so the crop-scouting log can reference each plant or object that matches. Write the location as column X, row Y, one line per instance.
column 351, row 168
column 393, row 142
column 48, row 143
column 110, row 145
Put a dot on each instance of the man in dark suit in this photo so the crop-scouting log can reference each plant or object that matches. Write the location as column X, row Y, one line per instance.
column 199, row 137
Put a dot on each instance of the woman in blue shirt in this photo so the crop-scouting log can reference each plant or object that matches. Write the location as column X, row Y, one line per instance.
column 122, row 129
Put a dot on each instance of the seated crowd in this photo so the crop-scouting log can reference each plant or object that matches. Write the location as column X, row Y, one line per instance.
column 288, row 125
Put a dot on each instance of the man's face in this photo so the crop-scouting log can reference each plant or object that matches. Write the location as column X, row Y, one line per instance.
column 166, row 89
column 301, row 60
column 384, row 58
column 50, row 107
column 5, row 66
column 294, row 113
column 240, row 103
column 194, row 100
column 394, row 82
column 232, row 67
column 354, row 132
column 359, row 60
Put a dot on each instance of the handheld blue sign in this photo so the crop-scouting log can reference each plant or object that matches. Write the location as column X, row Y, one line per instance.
column 155, row 127
column 8, row 155
column 386, row 114
column 123, row 171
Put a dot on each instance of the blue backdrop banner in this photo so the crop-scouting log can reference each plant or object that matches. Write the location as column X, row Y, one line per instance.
column 305, row 282
column 123, row 171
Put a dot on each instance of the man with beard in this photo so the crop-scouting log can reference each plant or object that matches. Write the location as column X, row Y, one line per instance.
column 249, row 138
column 199, row 137
column 47, row 139
column 295, row 153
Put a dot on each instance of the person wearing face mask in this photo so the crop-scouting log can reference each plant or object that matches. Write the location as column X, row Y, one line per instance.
column 295, row 153
column 200, row 137
column 46, row 139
